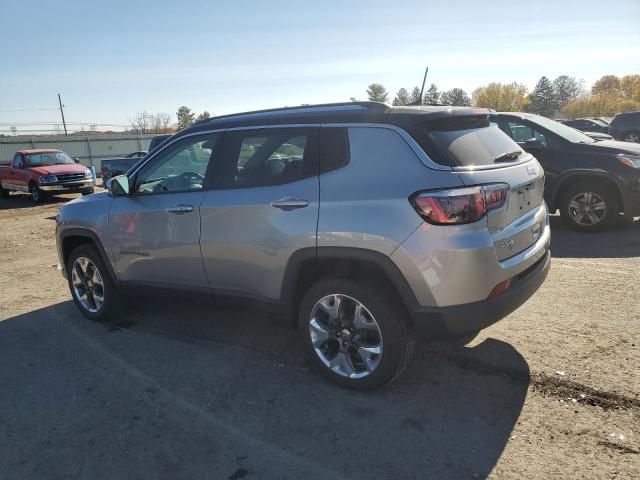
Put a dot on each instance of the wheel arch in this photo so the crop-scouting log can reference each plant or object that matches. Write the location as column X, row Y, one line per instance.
column 582, row 175
column 308, row 265
column 74, row 237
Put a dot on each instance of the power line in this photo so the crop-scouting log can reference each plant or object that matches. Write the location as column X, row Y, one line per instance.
column 30, row 110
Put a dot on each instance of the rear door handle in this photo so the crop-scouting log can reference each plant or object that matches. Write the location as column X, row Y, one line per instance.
column 290, row 203
column 180, row 209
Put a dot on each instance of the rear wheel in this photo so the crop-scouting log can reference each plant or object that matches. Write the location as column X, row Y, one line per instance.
column 92, row 289
column 4, row 193
column 354, row 334
column 633, row 136
column 589, row 207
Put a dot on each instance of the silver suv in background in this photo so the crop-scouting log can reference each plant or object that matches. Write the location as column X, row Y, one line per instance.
column 360, row 222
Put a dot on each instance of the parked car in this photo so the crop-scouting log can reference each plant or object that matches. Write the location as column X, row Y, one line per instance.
column 44, row 172
column 111, row 167
column 605, row 120
column 626, row 127
column 588, row 125
column 590, row 182
column 360, row 222
column 139, row 154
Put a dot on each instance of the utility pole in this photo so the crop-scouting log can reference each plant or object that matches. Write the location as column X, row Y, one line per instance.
column 62, row 113
column 424, row 80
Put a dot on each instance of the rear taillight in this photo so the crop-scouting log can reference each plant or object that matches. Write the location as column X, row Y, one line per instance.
column 459, row 205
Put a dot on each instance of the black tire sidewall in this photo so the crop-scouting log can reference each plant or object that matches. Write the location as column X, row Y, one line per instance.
column 388, row 314
column 111, row 296
column 36, row 194
column 607, row 194
column 632, row 132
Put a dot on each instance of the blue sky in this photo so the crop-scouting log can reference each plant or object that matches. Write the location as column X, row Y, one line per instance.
column 112, row 59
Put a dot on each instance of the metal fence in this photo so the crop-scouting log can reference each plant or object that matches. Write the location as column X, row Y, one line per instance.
column 91, row 150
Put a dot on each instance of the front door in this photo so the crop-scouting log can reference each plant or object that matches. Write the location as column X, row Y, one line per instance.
column 155, row 231
column 265, row 210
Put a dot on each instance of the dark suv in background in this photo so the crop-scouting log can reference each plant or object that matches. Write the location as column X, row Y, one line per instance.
column 590, row 182
column 588, row 125
column 626, row 127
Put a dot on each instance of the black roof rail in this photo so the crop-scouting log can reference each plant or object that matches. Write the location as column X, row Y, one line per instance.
column 306, row 108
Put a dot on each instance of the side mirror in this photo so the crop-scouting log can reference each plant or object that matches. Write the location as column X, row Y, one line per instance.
column 118, row 186
column 533, row 144
column 76, row 159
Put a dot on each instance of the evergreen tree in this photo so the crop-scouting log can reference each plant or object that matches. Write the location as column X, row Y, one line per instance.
column 542, row 98
column 432, row 95
column 402, row 97
column 455, row 97
column 377, row 93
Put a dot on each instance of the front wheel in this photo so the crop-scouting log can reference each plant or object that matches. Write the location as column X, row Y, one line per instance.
column 354, row 334
column 589, row 207
column 92, row 289
column 87, row 192
column 36, row 194
column 4, row 193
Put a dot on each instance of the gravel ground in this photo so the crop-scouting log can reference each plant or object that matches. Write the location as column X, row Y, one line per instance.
column 192, row 390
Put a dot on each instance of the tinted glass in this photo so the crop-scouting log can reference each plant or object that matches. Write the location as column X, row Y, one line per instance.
column 334, row 148
column 467, row 141
column 271, row 156
column 180, row 167
column 564, row 131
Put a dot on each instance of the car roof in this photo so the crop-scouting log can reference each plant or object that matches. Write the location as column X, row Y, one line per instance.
column 38, row 150
column 348, row 112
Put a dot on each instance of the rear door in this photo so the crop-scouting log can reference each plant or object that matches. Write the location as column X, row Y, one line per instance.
column 19, row 174
column 265, row 210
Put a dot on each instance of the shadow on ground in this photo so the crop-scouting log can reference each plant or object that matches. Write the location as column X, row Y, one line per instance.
column 22, row 200
column 621, row 241
column 190, row 390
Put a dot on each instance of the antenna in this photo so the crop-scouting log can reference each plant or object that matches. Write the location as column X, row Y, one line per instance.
column 418, row 102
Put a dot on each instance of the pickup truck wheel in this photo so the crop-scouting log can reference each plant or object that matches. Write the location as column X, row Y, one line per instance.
column 87, row 192
column 4, row 193
column 36, row 194
column 92, row 289
column 589, row 207
column 354, row 334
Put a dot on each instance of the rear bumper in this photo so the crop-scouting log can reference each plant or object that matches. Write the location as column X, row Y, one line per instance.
column 459, row 320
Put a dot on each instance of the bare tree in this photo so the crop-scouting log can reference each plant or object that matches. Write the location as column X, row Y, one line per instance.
column 159, row 123
column 139, row 123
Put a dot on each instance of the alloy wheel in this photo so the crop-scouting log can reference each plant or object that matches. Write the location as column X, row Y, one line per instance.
column 88, row 286
column 632, row 137
column 345, row 336
column 587, row 208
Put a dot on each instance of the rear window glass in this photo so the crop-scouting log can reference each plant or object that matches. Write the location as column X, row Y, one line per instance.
column 466, row 141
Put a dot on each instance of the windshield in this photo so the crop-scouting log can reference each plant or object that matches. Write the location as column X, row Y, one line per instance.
column 48, row 158
column 564, row 131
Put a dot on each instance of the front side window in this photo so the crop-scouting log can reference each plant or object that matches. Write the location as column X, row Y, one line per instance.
column 180, row 167
column 269, row 156
column 522, row 133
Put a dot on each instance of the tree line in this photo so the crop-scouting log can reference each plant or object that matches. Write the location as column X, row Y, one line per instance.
column 144, row 122
column 564, row 96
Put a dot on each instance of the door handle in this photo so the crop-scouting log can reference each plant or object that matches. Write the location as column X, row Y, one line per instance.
column 180, row 209
column 290, row 203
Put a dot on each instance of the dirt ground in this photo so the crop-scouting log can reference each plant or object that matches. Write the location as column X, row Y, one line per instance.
column 191, row 390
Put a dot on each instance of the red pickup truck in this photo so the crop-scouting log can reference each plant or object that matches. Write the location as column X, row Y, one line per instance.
column 44, row 172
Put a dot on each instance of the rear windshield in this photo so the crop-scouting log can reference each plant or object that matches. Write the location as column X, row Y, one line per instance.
column 466, row 141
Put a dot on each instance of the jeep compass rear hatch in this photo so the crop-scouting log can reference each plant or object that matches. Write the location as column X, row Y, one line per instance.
column 511, row 180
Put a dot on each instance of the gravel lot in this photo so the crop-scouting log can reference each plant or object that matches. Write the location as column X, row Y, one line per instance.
column 193, row 390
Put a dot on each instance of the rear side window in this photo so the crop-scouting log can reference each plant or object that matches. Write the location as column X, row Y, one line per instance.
column 270, row 157
column 465, row 141
column 334, row 148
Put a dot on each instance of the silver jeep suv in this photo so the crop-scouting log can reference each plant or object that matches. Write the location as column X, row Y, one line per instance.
column 360, row 222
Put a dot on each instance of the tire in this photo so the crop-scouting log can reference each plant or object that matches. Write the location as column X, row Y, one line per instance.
column 110, row 307
column 386, row 327
column 4, row 193
column 632, row 136
column 589, row 193
column 36, row 194
column 87, row 192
